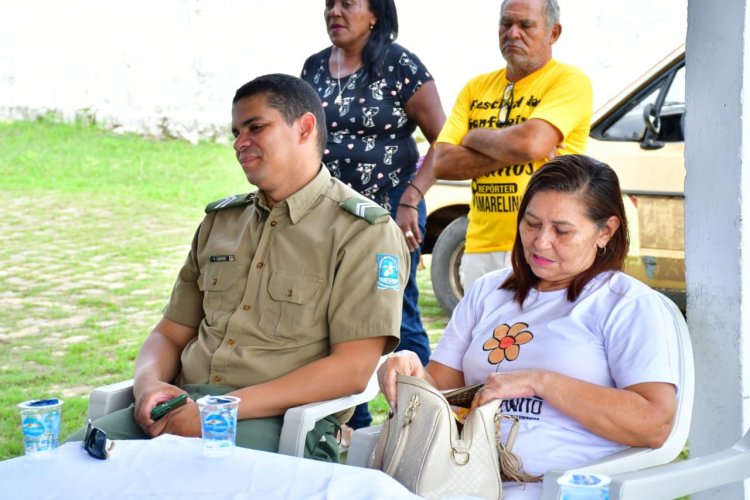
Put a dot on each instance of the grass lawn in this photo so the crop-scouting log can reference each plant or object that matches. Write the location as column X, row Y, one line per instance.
column 94, row 228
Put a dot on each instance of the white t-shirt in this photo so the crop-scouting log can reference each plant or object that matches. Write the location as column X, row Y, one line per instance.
column 616, row 334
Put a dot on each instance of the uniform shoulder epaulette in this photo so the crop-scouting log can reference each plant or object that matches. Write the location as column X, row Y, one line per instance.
column 365, row 209
column 235, row 200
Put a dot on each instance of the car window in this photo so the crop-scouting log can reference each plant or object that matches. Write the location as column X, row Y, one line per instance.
column 631, row 125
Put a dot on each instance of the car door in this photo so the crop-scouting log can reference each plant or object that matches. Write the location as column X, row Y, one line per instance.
column 640, row 134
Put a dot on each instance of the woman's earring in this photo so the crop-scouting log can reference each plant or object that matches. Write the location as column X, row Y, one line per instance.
column 372, row 26
column 601, row 251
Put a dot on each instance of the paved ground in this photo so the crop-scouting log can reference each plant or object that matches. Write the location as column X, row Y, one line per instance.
column 72, row 266
column 72, row 270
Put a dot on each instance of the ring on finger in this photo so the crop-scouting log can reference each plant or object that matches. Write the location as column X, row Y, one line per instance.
column 408, row 234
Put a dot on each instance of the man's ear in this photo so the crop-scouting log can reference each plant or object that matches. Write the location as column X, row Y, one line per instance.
column 555, row 33
column 306, row 124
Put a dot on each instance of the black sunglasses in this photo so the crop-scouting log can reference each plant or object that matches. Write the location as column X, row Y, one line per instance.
column 95, row 442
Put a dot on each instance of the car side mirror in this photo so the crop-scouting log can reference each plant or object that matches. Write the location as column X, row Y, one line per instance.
column 652, row 120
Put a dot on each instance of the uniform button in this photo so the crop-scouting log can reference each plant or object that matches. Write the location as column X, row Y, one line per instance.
column 217, row 379
column 247, row 307
column 214, row 281
column 273, row 223
column 288, row 293
column 231, row 342
column 259, row 265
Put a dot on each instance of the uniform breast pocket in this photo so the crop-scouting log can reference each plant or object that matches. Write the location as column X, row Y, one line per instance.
column 218, row 282
column 291, row 304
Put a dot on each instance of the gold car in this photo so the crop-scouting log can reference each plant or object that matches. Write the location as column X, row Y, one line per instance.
column 639, row 134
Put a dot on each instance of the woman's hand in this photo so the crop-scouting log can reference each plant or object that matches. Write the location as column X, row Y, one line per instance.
column 520, row 384
column 425, row 109
column 407, row 219
column 403, row 362
column 638, row 415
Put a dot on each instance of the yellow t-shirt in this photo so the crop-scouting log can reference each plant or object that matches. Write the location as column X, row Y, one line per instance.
column 558, row 94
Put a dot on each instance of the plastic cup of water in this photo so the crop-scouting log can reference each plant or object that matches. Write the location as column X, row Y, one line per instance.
column 218, row 424
column 584, row 486
column 40, row 423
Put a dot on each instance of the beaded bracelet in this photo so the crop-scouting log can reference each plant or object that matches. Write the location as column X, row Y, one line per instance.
column 409, row 206
column 415, row 187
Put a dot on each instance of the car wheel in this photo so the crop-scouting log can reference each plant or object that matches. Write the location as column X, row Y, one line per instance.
column 446, row 259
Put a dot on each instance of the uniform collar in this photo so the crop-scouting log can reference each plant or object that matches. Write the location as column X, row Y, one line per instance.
column 302, row 202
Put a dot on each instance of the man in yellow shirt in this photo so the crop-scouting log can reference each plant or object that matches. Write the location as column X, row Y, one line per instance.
column 506, row 124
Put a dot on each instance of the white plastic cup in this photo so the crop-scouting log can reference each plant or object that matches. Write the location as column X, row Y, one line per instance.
column 584, row 486
column 40, row 423
column 218, row 424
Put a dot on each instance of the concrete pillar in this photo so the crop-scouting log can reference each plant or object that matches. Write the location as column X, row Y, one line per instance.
column 717, row 226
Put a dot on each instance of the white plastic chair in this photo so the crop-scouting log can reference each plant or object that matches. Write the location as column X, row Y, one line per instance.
column 632, row 459
column 298, row 421
column 685, row 477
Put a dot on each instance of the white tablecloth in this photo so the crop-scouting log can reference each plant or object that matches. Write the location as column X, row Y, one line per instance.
column 173, row 467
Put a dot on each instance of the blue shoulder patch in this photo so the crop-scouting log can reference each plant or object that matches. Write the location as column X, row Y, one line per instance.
column 388, row 272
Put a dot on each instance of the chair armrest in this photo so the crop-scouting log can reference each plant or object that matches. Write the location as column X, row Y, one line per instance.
column 687, row 476
column 300, row 420
column 627, row 460
column 633, row 459
column 362, row 446
column 106, row 399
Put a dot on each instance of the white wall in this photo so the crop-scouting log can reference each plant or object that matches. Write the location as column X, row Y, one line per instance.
column 173, row 65
column 717, row 229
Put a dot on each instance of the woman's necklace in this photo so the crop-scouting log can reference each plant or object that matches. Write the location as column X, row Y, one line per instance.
column 338, row 101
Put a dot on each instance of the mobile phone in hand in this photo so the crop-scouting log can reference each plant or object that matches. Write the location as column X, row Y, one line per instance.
column 163, row 408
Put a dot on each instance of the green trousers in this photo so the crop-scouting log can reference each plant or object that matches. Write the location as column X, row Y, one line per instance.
column 256, row 433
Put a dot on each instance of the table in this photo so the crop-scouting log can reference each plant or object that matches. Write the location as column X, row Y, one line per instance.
column 173, row 467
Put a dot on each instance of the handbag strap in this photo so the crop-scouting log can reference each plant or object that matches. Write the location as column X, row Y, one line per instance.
column 377, row 460
column 398, row 452
column 510, row 441
column 511, row 465
column 409, row 416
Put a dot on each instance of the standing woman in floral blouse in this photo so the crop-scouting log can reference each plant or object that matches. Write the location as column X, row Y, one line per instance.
column 375, row 93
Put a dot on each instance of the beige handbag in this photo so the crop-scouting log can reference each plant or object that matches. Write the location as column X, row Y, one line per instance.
column 423, row 447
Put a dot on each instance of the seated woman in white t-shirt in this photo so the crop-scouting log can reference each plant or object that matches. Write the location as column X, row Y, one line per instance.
column 577, row 350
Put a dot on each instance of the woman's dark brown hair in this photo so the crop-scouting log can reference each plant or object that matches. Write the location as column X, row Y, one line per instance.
column 596, row 185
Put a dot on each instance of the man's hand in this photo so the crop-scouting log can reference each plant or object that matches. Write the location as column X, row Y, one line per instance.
column 182, row 421
column 148, row 396
column 403, row 362
column 556, row 151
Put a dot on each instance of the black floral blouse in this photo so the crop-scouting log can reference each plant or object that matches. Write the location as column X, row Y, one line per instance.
column 370, row 144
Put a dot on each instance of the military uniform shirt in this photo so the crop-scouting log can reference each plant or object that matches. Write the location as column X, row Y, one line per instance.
column 271, row 290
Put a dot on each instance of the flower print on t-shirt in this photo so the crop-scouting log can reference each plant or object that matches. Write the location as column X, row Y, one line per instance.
column 506, row 342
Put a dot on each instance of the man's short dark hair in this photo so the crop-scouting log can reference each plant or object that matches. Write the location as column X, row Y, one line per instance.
column 290, row 96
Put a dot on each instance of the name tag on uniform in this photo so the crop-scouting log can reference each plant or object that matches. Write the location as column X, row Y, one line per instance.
column 221, row 258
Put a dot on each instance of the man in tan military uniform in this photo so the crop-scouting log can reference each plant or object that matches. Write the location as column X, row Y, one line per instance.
column 289, row 295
